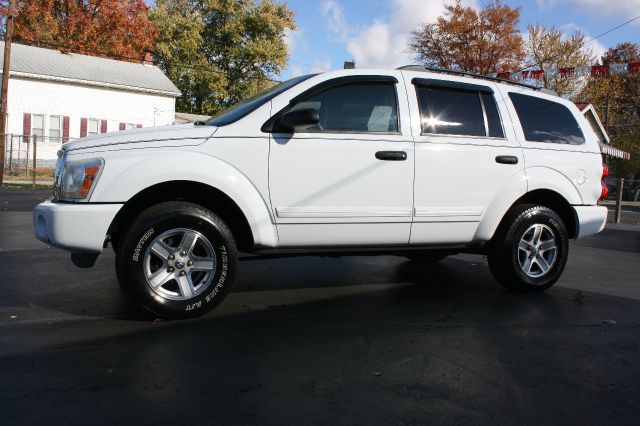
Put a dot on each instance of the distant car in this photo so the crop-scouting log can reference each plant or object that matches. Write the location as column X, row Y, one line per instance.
column 408, row 162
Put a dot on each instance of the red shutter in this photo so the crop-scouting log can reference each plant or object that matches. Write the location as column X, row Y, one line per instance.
column 123, row 126
column 65, row 129
column 138, row 125
column 83, row 127
column 26, row 127
column 103, row 126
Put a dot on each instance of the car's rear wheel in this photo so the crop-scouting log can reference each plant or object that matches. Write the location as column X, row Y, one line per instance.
column 530, row 249
column 178, row 259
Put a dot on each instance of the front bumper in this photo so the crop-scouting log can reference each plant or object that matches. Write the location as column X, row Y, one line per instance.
column 590, row 220
column 79, row 227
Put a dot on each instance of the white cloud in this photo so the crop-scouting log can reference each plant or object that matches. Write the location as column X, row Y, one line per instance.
column 597, row 47
column 297, row 68
column 628, row 8
column 546, row 4
column 295, row 41
column 336, row 21
column 383, row 43
column 599, row 8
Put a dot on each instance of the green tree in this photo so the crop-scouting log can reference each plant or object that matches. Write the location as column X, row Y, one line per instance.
column 550, row 49
column 218, row 52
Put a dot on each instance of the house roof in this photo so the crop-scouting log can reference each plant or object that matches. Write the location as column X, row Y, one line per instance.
column 582, row 105
column 185, row 117
column 47, row 64
column 587, row 109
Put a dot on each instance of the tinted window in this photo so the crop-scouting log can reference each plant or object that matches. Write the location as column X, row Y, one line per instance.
column 493, row 118
column 546, row 121
column 238, row 111
column 355, row 107
column 449, row 111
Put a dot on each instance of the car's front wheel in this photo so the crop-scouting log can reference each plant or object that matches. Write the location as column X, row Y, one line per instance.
column 530, row 249
column 178, row 259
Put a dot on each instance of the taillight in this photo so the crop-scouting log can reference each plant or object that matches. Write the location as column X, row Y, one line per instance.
column 605, row 190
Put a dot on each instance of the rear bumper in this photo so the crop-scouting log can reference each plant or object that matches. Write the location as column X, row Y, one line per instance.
column 79, row 227
column 589, row 220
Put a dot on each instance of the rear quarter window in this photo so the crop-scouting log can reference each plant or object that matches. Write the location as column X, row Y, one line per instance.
column 543, row 120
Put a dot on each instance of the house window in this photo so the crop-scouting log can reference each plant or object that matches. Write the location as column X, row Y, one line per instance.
column 93, row 127
column 55, row 128
column 37, row 126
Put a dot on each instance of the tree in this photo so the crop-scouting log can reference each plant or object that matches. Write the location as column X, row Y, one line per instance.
column 620, row 96
column 112, row 28
column 467, row 40
column 623, row 53
column 550, row 49
column 218, row 52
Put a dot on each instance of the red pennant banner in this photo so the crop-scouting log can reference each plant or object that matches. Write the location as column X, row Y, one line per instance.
column 599, row 70
column 567, row 72
column 633, row 67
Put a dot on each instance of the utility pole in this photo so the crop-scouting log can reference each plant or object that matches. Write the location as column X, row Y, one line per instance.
column 6, row 66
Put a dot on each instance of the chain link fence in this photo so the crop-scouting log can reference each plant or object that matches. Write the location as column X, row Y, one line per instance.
column 29, row 159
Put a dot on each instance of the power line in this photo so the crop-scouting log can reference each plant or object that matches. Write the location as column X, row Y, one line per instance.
column 581, row 45
column 309, row 65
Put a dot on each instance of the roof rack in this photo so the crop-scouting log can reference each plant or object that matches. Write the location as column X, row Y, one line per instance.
column 470, row 74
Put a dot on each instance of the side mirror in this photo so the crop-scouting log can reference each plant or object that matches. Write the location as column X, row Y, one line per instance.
column 292, row 120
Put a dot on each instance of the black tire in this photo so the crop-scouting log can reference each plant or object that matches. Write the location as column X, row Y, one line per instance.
column 200, row 277
column 427, row 256
column 508, row 259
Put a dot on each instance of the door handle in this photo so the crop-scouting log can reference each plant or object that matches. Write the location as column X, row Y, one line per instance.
column 507, row 159
column 391, row 155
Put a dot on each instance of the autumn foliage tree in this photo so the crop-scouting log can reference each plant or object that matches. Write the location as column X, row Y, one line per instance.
column 465, row 39
column 112, row 28
column 550, row 49
column 618, row 98
column 622, row 53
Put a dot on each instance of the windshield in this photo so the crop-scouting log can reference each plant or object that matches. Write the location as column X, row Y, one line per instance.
column 238, row 111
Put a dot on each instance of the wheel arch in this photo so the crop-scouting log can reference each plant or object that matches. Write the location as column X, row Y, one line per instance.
column 199, row 193
column 547, row 198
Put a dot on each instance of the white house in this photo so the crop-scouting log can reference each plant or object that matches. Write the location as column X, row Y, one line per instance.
column 59, row 96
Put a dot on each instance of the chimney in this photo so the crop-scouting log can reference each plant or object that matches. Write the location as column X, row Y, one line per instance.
column 148, row 59
column 349, row 65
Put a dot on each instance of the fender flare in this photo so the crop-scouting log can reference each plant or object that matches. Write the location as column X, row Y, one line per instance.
column 160, row 167
column 516, row 187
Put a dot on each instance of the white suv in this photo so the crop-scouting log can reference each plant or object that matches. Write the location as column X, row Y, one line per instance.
column 414, row 162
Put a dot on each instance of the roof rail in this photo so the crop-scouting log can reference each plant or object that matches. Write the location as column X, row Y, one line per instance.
column 470, row 74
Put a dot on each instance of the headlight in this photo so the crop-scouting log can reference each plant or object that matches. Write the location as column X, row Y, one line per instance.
column 77, row 178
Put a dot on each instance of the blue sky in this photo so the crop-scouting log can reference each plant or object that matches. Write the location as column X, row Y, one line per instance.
column 374, row 32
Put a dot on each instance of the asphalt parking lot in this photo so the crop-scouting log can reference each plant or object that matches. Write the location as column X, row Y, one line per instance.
column 360, row 340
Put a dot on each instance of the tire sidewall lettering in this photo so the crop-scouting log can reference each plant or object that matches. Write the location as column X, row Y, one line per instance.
column 141, row 243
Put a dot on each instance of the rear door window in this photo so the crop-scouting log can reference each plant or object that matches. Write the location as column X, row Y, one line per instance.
column 453, row 111
column 546, row 121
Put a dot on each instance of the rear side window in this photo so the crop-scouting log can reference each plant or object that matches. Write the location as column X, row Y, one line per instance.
column 355, row 107
column 452, row 111
column 546, row 121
